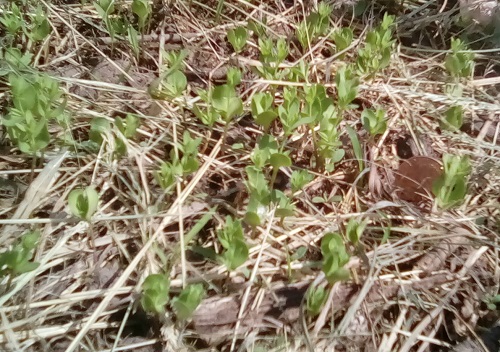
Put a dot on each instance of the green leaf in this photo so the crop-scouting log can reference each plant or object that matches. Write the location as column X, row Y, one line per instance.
column 83, row 202
column 155, row 293
column 225, row 101
column 236, row 254
column 188, row 300
column 315, row 299
column 278, row 160
column 299, row 179
column 238, row 38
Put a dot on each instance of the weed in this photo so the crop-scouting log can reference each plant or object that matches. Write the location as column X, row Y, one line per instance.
column 450, row 189
column 18, row 260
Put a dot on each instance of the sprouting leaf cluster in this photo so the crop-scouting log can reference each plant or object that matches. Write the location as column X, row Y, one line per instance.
column 315, row 25
column 451, row 187
column 156, row 295
column 232, row 240
column 460, row 61
column 18, row 260
column 335, row 257
column 376, row 53
column 36, row 101
column 183, row 161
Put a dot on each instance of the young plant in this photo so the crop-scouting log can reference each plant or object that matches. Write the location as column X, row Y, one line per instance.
column 315, row 300
column 232, row 240
column 260, row 195
column 453, row 118
column 83, row 204
column 12, row 20
column 376, row 53
column 128, row 129
column 155, row 293
column 460, row 61
column 238, row 38
column 179, row 166
column 355, row 230
column 142, row 9
column 18, row 260
column 329, row 149
column 188, row 300
column 299, row 179
column 451, row 187
column 36, row 101
column 290, row 113
column 342, row 38
column 262, row 109
column 374, row 121
column 334, row 258
column 347, row 87
column 272, row 55
column 39, row 27
column 315, row 25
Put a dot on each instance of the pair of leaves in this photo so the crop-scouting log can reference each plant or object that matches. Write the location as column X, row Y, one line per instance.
column 460, row 62
column 83, row 202
column 451, row 187
column 18, row 260
column 231, row 238
column 334, row 257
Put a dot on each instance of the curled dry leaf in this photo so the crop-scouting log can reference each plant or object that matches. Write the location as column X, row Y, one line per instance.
column 414, row 178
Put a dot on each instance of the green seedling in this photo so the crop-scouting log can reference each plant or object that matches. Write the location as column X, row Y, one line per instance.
column 12, row 59
column 98, row 127
column 39, row 28
column 460, row 62
column 356, row 147
column 347, row 87
column 374, row 121
column 36, row 101
column 188, row 300
column 155, row 293
column 232, row 240
column 105, row 9
column 128, row 129
column 258, row 28
column 142, row 9
column 451, row 187
column 284, row 205
column 238, row 38
column 355, row 230
column 315, row 25
column 299, row 179
column 226, row 102
column 491, row 301
column 262, row 109
column 290, row 113
column 298, row 73
column 83, row 202
column 334, row 258
column 233, row 76
column 329, row 149
column 315, row 300
column 179, row 166
column 267, row 146
column 133, row 39
column 376, row 54
column 18, row 260
column 12, row 20
column 169, row 85
column 342, row 38
column 272, row 55
column 454, row 118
